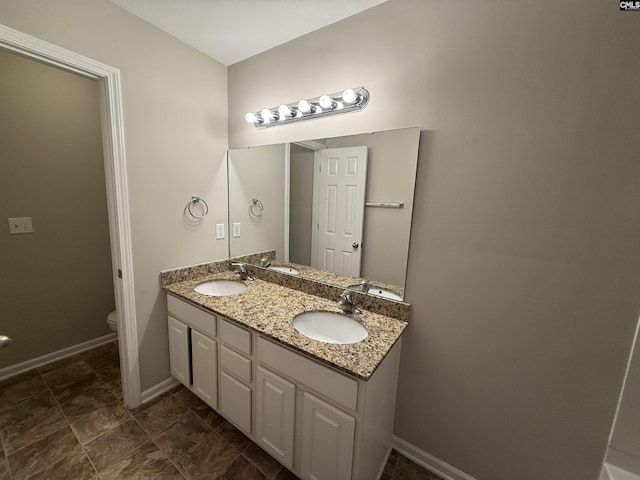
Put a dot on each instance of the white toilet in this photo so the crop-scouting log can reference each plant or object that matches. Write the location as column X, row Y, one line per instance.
column 112, row 321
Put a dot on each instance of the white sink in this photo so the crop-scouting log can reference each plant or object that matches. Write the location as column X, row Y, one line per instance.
column 380, row 292
column 221, row 288
column 289, row 270
column 329, row 327
column 384, row 293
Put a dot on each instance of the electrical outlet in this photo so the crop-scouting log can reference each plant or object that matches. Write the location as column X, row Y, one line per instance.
column 20, row 225
column 219, row 231
column 236, row 229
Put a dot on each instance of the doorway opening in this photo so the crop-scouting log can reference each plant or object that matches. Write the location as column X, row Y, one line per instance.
column 116, row 187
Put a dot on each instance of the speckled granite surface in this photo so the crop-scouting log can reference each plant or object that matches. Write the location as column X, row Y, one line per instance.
column 269, row 309
column 310, row 282
column 327, row 284
column 310, row 273
column 331, row 278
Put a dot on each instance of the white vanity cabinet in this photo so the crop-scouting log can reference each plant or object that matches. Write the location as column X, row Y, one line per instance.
column 204, row 359
column 275, row 415
column 179, row 352
column 236, row 375
column 333, row 426
column 193, row 350
column 320, row 423
column 327, row 440
column 312, row 437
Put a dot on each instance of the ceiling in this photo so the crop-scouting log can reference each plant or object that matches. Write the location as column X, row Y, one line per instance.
column 231, row 30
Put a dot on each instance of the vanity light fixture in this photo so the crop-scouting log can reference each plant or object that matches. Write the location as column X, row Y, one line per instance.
column 286, row 112
column 349, row 100
column 305, row 107
column 268, row 116
column 253, row 118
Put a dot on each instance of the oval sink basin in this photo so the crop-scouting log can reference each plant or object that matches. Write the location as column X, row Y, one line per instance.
column 289, row 270
column 384, row 293
column 329, row 327
column 380, row 292
column 220, row 288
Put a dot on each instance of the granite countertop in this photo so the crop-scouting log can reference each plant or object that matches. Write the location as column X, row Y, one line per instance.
column 332, row 278
column 269, row 309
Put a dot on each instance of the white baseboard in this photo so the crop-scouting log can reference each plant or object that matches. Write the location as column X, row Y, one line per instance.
column 42, row 360
column 428, row 461
column 159, row 389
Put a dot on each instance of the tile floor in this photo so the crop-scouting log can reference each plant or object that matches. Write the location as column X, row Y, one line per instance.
column 66, row 421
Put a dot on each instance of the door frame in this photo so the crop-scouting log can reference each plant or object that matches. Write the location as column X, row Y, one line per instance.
column 116, row 186
column 317, row 207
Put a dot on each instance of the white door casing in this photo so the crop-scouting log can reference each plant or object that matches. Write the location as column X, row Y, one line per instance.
column 116, row 186
column 339, row 209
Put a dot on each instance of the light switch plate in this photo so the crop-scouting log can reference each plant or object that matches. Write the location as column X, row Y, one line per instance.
column 20, row 225
column 236, row 229
column 219, row 231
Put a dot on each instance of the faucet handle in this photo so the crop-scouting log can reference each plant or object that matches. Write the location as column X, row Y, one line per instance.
column 241, row 267
column 346, row 303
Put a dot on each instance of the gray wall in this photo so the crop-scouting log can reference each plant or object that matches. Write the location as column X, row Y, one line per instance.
column 257, row 173
column 524, row 269
column 301, row 205
column 57, row 283
column 175, row 120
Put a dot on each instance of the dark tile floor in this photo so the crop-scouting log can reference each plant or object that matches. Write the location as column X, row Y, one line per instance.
column 66, row 421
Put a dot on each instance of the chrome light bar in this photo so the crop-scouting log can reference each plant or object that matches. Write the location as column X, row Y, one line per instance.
column 349, row 100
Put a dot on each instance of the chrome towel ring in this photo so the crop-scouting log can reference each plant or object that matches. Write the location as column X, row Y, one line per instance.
column 197, row 200
column 256, row 209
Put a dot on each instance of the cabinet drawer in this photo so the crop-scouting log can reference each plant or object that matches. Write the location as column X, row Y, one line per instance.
column 235, row 363
column 198, row 319
column 237, row 337
column 235, row 402
column 334, row 385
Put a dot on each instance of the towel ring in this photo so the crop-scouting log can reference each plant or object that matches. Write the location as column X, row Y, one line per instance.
column 256, row 209
column 195, row 200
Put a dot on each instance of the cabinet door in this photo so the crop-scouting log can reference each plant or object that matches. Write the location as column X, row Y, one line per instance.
column 327, row 441
column 275, row 415
column 179, row 351
column 235, row 401
column 204, row 365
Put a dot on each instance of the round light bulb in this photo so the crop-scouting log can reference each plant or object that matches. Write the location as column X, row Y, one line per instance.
column 251, row 118
column 326, row 102
column 267, row 115
column 304, row 106
column 349, row 96
column 285, row 111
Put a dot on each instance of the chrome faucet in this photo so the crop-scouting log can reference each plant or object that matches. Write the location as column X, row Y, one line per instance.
column 364, row 285
column 264, row 262
column 241, row 270
column 346, row 303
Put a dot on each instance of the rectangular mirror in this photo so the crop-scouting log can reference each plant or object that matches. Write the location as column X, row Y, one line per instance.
column 334, row 209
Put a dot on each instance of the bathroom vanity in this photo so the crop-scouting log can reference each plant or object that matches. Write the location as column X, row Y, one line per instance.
column 324, row 411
